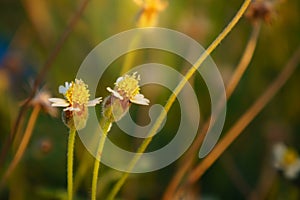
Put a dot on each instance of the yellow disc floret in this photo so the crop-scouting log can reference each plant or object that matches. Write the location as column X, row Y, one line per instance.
column 129, row 85
column 290, row 157
column 78, row 93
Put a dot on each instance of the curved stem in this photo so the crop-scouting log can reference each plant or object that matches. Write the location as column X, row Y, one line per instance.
column 23, row 144
column 245, row 60
column 70, row 155
column 130, row 55
column 177, row 90
column 105, row 129
column 230, row 88
column 246, row 118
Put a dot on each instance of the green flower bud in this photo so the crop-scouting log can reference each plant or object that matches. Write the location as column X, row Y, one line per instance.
column 75, row 119
column 114, row 108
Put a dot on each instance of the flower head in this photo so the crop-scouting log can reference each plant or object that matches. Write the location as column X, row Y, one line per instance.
column 261, row 10
column 127, row 87
column 41, row 99
column 150, row 9
column 287, row 160
column 76, row 102
column 125, row 92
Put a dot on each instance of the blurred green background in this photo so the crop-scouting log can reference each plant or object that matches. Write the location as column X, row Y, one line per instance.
column 28, row 32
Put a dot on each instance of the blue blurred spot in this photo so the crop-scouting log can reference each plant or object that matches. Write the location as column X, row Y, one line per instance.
column 3, row 48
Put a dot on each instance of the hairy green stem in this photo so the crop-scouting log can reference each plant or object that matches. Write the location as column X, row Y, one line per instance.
column 105, row 128
column 177, row 90
column 70, row 155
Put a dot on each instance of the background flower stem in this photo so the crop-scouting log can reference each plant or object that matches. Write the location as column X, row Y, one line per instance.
column 86, row 161
column 23, row 144
column 245, row 60
column 246, row 118
column 129, row 57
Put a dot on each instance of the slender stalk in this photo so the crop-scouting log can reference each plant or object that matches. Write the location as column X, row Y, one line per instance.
column 177, row 90
column 235, row 174
column 23, row 144
column 70, row 155
column 129, row 57
column 105, row 128
column 246, row 118
column 245, row 60
column 266, row 179
column 189, row 158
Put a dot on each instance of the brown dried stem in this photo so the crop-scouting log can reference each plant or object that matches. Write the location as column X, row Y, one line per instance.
column 41, row 76
column 245, row 119
column 23, row 144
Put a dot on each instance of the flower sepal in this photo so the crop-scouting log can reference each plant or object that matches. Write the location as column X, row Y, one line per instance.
column 115, row 108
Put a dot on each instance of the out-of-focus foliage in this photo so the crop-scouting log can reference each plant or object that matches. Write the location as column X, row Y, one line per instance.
column 28, row 32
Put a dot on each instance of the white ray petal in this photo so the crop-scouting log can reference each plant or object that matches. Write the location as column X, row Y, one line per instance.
column 115, row 93
column 140, row 99
column 94, row 101
column 71, row 109
column 58, row 102
column 119, row 79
